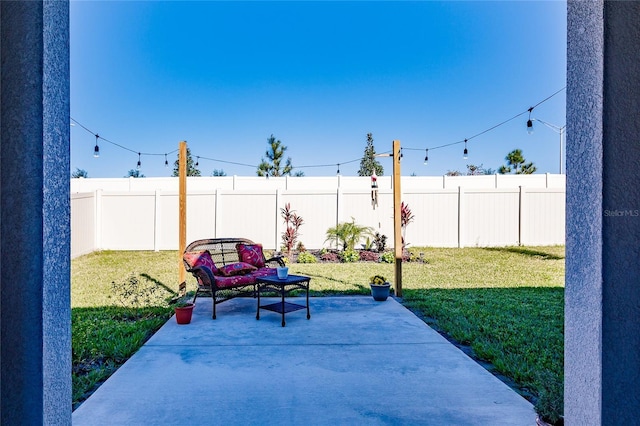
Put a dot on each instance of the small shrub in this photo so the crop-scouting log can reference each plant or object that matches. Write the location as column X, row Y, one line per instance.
column 350, row 256
column 306, row 257
column 291, row 233
column 369, row 256
column 300, row 247
column 329, row 257
column 137, row 292
column 379, row 242
column 387, row 257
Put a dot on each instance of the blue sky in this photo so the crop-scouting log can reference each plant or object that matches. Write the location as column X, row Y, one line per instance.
column 319, row 76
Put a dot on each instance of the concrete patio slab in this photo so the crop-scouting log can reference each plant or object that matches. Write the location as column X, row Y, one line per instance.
column 356, row 361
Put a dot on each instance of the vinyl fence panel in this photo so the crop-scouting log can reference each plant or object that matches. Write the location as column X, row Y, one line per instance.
column 482, row 212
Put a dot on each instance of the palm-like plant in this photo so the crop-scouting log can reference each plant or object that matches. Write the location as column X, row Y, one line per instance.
column 348, row 234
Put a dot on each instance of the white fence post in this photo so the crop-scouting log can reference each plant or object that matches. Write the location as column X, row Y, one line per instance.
column 218, row 202
column 98, row 219
column 461, row 217
column 520, row 214
column 157, row 222
column 278, row 224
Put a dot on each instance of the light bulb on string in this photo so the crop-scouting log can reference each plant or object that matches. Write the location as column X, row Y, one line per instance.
column 197, row 161
column 139, row 162
column 465, row 154
column 530, row 122
column 338, row 172
column 166, row 162
column 96, row 149
column 426, row 157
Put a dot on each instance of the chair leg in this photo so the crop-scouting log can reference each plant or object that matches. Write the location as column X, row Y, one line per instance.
column 213, row 296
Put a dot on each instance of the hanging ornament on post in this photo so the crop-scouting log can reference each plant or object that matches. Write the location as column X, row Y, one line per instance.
column 374, row 190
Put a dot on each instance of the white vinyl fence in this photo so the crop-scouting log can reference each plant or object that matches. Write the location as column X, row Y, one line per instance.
column 142, row 214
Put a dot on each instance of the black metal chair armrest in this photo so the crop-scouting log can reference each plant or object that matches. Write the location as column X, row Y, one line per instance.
column 203, row 272
column 276, row 259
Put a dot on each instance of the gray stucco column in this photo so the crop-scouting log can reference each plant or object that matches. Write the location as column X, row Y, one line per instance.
column 602, row 307
column 35, row 318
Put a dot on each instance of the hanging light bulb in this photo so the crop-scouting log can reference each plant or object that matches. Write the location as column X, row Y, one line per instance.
column 426, row 157
column 465, row 154
column 530, row 122
column 338, row 172
column 166, row 162
column 139, row 162
column 96, row 149
column 197, row 161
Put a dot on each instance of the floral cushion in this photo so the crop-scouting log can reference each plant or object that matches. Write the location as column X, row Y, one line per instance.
column 251, row 254
column 239, row 268
column 234, row 281
column 265, row 272
column 200, row 258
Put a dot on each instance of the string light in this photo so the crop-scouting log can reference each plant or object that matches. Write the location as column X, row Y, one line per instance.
column 529, row 122
column 197, row 161
column 166, row 162
column 139, row 164
column 96, row 149
column 529, row 110
column 465, row 154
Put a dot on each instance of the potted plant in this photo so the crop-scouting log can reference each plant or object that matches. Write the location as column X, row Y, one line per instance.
column 184, row 310
column 379, row 288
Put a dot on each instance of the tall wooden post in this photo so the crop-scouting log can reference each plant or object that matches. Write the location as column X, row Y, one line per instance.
column 182, row 236
column 397, row 225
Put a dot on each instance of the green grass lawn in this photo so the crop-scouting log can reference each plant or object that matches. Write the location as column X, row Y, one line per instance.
column 506, row 304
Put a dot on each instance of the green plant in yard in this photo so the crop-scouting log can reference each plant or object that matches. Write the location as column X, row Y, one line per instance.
column 377, row 280
column 348, row 234
column 380, row 242
column 549, row 405
column 387, row 257
column 306, row 257
column 136, row 292
column 349, row 256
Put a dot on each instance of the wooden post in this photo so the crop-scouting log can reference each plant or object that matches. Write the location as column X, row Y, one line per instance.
column 397, row 226
column 182, row 235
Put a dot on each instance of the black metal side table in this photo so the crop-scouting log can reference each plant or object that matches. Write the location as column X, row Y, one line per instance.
column 282, row 287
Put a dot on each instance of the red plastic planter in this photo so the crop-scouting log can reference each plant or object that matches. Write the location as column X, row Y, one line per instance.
column 183, row 315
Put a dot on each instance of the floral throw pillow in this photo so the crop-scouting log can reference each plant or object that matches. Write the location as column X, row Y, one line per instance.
column 251, row 254
column 239, row 268
column 200, row 258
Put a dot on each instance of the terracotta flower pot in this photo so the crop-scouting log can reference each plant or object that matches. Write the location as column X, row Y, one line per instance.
column 183, row 314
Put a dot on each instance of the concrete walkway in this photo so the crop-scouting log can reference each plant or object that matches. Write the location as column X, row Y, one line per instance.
column 355, row 362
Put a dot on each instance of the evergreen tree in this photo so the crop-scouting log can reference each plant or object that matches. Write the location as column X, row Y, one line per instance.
column 135, row 173
column 192, row 169
column 369, row 164
column 517, row 163
column 275, row 155
column 79, row 173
